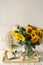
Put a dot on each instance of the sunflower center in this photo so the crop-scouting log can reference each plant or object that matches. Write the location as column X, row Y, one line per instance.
column 35, row 38
column 29, row 30
column 33, row 35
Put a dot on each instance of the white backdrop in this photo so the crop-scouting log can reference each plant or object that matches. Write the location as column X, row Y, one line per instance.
column 21, row 12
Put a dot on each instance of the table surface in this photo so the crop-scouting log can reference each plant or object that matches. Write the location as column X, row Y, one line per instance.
column 1, row 63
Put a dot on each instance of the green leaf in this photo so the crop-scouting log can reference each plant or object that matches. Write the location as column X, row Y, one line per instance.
column 21, row 43
column 28, row 37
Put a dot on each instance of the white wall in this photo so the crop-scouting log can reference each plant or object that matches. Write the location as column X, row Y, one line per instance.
column 20, row 12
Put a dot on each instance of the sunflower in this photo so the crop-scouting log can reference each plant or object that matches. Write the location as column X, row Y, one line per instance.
column 29, row 30
column 40, row 33
column 18, row 36
column 34, row 36
column 34, row 33
column 35, row 39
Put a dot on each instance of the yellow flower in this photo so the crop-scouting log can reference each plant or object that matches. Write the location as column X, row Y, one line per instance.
column 35, row 39
column 18, row 36
column 34, row 33
column 34, row 36
column 40, row 33
column 29, row 30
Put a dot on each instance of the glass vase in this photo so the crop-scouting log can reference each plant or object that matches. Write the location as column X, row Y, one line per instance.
column 28, row 50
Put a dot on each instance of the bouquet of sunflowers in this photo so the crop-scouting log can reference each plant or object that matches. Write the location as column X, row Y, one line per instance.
column 29, row 36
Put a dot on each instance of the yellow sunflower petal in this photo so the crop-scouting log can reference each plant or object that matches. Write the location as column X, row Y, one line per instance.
column 40, row 33
column 34, row 36
column 18, row 36
column 35, row 39
column 29, row 29
column 34, row 33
